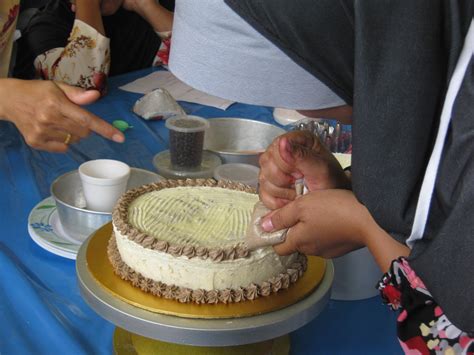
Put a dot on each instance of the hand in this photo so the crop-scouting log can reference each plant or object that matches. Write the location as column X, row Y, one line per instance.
column 292, row 156
column 327, row 223
column 46, row 113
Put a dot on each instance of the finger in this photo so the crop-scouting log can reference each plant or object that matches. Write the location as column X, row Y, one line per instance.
column 285, row 150
column 276, row 191
column 78, row 95
column 92, row 122
column 68, row 125
column 269, row 170
column 62, row 137
column 272, row 202
column 302, row 144
column 53, row 147
column 282, row 218
column 286, row 248
column 295, row 241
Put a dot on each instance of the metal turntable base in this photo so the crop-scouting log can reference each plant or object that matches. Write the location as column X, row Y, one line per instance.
column 201, row 332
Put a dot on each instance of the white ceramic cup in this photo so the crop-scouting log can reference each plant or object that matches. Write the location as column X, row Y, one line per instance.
column 103, row 182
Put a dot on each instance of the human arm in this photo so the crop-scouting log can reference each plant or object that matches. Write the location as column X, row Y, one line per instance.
column 341, row 113
column 46, row 113
column 156, row 15
column 88, row 11
column 292, row 156
column 331, row 223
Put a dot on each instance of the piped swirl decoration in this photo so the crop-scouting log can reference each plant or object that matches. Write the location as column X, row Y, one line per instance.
column 199, row 296
column 120, row 217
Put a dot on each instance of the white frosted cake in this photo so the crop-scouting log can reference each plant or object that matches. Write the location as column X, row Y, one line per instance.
column 184, row 240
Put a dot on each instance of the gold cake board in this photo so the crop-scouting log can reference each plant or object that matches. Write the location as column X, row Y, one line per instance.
column 127, row 343
column 103, row 273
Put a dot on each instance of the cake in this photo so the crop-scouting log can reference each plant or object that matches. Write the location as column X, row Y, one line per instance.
column 184, row 240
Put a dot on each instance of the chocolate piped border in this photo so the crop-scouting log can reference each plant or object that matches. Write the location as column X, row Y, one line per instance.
column 200, row 296
column 120, row 221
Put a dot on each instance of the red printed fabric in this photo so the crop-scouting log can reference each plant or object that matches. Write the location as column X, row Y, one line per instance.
column 422, row 326
column 9, row 10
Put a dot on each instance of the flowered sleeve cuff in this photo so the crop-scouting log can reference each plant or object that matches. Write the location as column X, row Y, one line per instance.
column 84, row 62
column 162, row 56
column 164, row 34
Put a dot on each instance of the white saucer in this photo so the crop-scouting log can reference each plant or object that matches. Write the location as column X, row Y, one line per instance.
column 46, row 230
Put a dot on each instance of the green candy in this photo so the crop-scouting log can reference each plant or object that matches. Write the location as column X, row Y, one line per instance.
column 121, row 125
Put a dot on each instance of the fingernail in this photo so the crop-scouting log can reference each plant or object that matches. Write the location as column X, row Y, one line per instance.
column 118, row 138
column 267, row 225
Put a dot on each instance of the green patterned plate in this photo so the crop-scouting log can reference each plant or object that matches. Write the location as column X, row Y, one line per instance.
column 46, row 230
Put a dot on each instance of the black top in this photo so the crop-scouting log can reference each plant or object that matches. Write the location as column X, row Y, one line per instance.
column 392, row 60
column 133, row 42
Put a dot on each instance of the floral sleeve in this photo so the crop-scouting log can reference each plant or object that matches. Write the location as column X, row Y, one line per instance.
column 162, row 56
column 84, row 62
column 422, row 326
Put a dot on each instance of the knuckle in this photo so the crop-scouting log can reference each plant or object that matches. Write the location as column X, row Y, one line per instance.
column 298, row 205
column 268, row 200
column 287, row 194
column 277, row 219
column 85, row 133
column 50, row 103
column 44, row 117
column 263, row 159
column 34, row 141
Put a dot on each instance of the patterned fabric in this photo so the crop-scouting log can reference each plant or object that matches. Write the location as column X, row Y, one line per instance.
column 422, row 326
column 9, row 10
column 85, row 61
column 163, row 54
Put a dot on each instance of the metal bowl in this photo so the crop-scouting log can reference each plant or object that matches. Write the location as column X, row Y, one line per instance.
column 239, row 140
column 79, row 222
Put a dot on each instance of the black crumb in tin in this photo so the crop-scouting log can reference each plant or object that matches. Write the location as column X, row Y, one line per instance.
column 186, row 138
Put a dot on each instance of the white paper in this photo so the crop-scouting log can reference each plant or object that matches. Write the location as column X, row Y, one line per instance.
column 179, row 90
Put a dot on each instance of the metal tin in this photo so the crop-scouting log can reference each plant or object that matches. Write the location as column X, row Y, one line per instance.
column 239, row 140
column 79, row 222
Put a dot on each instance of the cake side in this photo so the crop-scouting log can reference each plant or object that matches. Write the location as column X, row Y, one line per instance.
column 280, row 281
column 195, row 273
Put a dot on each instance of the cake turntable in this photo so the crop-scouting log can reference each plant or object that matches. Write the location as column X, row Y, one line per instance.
column 143, row 325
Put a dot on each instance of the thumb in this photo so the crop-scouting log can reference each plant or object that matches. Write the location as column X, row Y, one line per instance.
column 303, row 144
column 282, row 218
column 77, row 95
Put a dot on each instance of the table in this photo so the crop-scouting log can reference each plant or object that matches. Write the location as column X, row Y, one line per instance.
column 41, row 310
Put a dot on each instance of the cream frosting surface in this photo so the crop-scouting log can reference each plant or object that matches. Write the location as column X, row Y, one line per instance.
column 194, row 216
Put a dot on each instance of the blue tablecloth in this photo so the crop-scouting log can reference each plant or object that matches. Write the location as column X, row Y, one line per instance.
column 41, row 310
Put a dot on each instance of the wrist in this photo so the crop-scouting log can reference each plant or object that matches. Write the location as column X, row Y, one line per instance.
column 6, row 89
column 143, row 8
column 368, row 229
column 88, row 3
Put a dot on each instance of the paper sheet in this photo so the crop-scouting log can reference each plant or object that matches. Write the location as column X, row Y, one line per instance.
column 179, row 90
